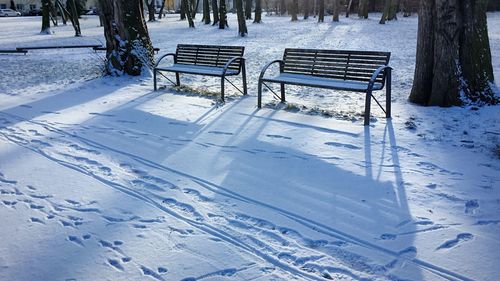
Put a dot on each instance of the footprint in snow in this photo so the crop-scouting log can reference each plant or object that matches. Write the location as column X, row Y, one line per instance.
column 278, row 137
column 342, row 145
column 461, row 238
column 471, row 206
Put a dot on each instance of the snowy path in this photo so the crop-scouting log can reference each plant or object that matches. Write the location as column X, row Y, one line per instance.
column 125, row 183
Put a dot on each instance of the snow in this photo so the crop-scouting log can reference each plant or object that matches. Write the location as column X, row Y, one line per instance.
column 103, row 178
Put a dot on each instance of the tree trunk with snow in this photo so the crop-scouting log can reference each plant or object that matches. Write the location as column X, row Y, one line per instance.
column 128, row 46
column 453, row 64
column 187, row 11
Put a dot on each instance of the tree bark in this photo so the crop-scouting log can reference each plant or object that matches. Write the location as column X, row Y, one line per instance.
column 222, row 15
column 294, row 9
column 206, row 12
column 242, row 26
column 258, row 11
column 248, row 9
column 453, row 64
column 162, row 7
column 282, row 7
column 151, row 10
column 321, row 11
column 348, row 9
column 187, row 11
column 46, row 17
column 306, row 8
column 74, row 18
column 363, row 9
column 128, row 47
column 215, row 10
column 336, row 10
column 13, row 5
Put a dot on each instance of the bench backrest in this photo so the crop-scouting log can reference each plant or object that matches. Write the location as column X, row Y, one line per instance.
column 336, row 64
column 209, row 55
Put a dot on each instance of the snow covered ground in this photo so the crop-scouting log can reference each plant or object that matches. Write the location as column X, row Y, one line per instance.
column 104, row 179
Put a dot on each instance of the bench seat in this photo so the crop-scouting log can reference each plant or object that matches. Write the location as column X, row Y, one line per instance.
column 321, row 82
column 197, row 69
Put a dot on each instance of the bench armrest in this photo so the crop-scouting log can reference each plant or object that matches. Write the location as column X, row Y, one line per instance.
column 268, row 65
column 229, row 62
column 377, row 73
column 166, row 55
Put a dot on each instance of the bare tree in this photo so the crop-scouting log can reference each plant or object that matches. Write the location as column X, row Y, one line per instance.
column 162, row 7
column 294, row 9
column 453, row 54
column 258, row 11
column 321, row 11
column 248, row 9
column 242, row 26
column 336, row 10
column 151, row 10
column 363, row 9
column 46, row 17
column 222, row 15
column 306, row 6
column 206, row 12
column 215, row 10
column 74, row 18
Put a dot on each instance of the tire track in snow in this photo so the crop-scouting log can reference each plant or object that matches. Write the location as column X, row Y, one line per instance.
column 319, row 227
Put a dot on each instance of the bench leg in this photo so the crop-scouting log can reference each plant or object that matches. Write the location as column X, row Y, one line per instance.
column 177, row 79
column 154, row 79
column 282, row 92
column 259, row 94
column 388, row 78
column 222, row 88
column 244, row 77
column 367, row 107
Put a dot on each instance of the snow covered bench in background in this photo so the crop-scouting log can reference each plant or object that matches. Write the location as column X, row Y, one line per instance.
column 357, row 71
column 208, row 60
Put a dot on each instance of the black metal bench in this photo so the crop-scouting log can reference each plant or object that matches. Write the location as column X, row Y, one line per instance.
column 209, row 60
column 357, row 71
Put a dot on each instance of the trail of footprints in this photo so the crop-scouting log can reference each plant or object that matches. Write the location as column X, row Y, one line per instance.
column 286, row 245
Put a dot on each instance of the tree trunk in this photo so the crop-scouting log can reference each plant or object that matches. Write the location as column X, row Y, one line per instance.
column 128, row 46
column 393, row 10
column 294, row 9
column 336, row 10
column 248, row 9
column 151, row 10
column 162, row 7
column 13, row 5
column 74, row 18
column 222, row 15
column 62, row 11
column 215, row 10
column 453, row 64
column 194, row 7
column 183, row 11
column 321, row 11
column 46, row 17
column 348, row 9
column 306, row 9
column 405, row 7
column 282, row 7
column 363, row 9
column 258, row 11
column 242, row 26
column 187, row 11
column 206, row 12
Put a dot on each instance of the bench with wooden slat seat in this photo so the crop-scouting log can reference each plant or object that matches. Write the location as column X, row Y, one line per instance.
column 357, row 71
column 209, row 60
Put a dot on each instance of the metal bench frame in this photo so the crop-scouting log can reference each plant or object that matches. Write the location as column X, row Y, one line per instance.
column 202, row 56
column 381, row 73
